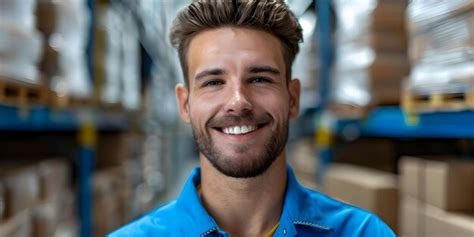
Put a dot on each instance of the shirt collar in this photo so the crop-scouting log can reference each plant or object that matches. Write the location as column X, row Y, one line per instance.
column 298, row 208
column 202, row 223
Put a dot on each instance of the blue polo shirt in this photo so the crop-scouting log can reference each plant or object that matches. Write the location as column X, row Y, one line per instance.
column 305, row 213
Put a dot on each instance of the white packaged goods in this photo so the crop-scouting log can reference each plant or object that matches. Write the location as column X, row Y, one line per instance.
column 109, row 63
column 131, row 64
column 365, row 16
column 18, row 12
column 423, row 14
column 20, row 51
column 370, row 60
column 65, row 23
column 449, row 41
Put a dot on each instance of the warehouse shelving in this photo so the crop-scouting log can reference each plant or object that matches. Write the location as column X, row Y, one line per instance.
column 382, row 122
column 86, row 123
column 393, row 122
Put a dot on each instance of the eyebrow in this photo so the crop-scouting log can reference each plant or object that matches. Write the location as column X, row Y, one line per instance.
column 263, row 68
column 209, row 72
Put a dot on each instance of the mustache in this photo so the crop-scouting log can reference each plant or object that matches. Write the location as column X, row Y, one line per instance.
column 247, row 118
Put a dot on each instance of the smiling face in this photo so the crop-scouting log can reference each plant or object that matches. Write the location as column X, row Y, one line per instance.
column 238, row 102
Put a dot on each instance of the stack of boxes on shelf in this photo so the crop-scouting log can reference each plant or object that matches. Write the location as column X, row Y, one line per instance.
column 65, row 27
column 128, row 180
column 116, row 56
column 36, row 199
column 437, row 197
column 370, row 189
column 371, row 58
column 43, row 54
column 20, row 52
column 20, row 42
column 441, row 52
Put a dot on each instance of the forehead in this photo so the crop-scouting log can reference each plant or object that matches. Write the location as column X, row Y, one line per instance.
column 233, row 48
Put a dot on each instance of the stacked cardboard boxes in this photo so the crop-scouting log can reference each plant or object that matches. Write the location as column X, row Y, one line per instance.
column 376, row 191
column 441, row 50
column 116, row 56
column 36, row 198
column 437, row 197
column 371, row 58
column 65, row 27
column 20, row 42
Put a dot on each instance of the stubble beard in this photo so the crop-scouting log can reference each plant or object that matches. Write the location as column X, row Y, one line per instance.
column 247, row 167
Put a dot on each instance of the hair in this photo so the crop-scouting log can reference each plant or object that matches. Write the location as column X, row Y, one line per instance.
column 272, row 16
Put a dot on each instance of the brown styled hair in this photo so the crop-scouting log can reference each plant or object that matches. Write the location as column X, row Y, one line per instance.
column 272, row 16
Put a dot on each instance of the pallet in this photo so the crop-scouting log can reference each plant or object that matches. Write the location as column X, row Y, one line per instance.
column 65, row 101
column 22, row 94
column 438, row 101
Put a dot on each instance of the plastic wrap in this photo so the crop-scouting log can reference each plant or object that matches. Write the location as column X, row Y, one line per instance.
column 362, row 77
column 65, row 23
column 422, row 14
column 371, row 45
column 18, row 12
column 448, row 78
column 20, row 50
column 130, row 63
column 357, row 19
column 451, row 41
column 108, row 58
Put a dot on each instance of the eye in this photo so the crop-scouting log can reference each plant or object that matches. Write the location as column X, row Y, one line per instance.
column 212, row 83
column 260, row 80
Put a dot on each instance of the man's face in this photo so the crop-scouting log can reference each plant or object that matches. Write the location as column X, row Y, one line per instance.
column 238, row 101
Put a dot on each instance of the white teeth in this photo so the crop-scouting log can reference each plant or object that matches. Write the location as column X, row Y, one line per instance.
column 236, row 130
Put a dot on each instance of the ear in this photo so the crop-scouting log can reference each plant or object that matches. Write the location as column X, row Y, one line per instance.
column 182, row 98
column 294, row 87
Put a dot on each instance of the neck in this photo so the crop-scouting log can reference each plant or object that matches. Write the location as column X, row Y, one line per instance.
column 244, row 206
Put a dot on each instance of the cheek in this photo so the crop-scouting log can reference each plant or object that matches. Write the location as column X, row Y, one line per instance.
column 201, row 110
column 276, row 105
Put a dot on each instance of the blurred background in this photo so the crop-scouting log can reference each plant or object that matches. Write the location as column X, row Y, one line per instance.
column 90, row 137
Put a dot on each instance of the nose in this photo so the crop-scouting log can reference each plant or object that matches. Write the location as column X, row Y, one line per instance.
column 238, row 101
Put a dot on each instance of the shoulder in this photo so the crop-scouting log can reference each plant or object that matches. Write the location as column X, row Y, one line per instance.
column 160, row 222
column 345, row 219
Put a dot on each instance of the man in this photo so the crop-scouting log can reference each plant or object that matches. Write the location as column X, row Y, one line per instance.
column 238, row 96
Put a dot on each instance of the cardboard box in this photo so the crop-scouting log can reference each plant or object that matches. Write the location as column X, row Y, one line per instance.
column 54, row 177
column 46, row 217
column 450, row 185
column 69, row 228
column 18, row 225
column 411, row 176
column 115, row 148
column 21, row 187
column 46, row 17
column 107, row 201
column 418, row 219
column 372, row 153
column 370, row 189
column 445, row 184
column 2, row 202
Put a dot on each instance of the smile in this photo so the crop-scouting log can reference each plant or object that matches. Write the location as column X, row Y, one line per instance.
column 239, row 130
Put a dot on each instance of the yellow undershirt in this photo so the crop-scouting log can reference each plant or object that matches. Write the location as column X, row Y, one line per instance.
column 269, row 234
